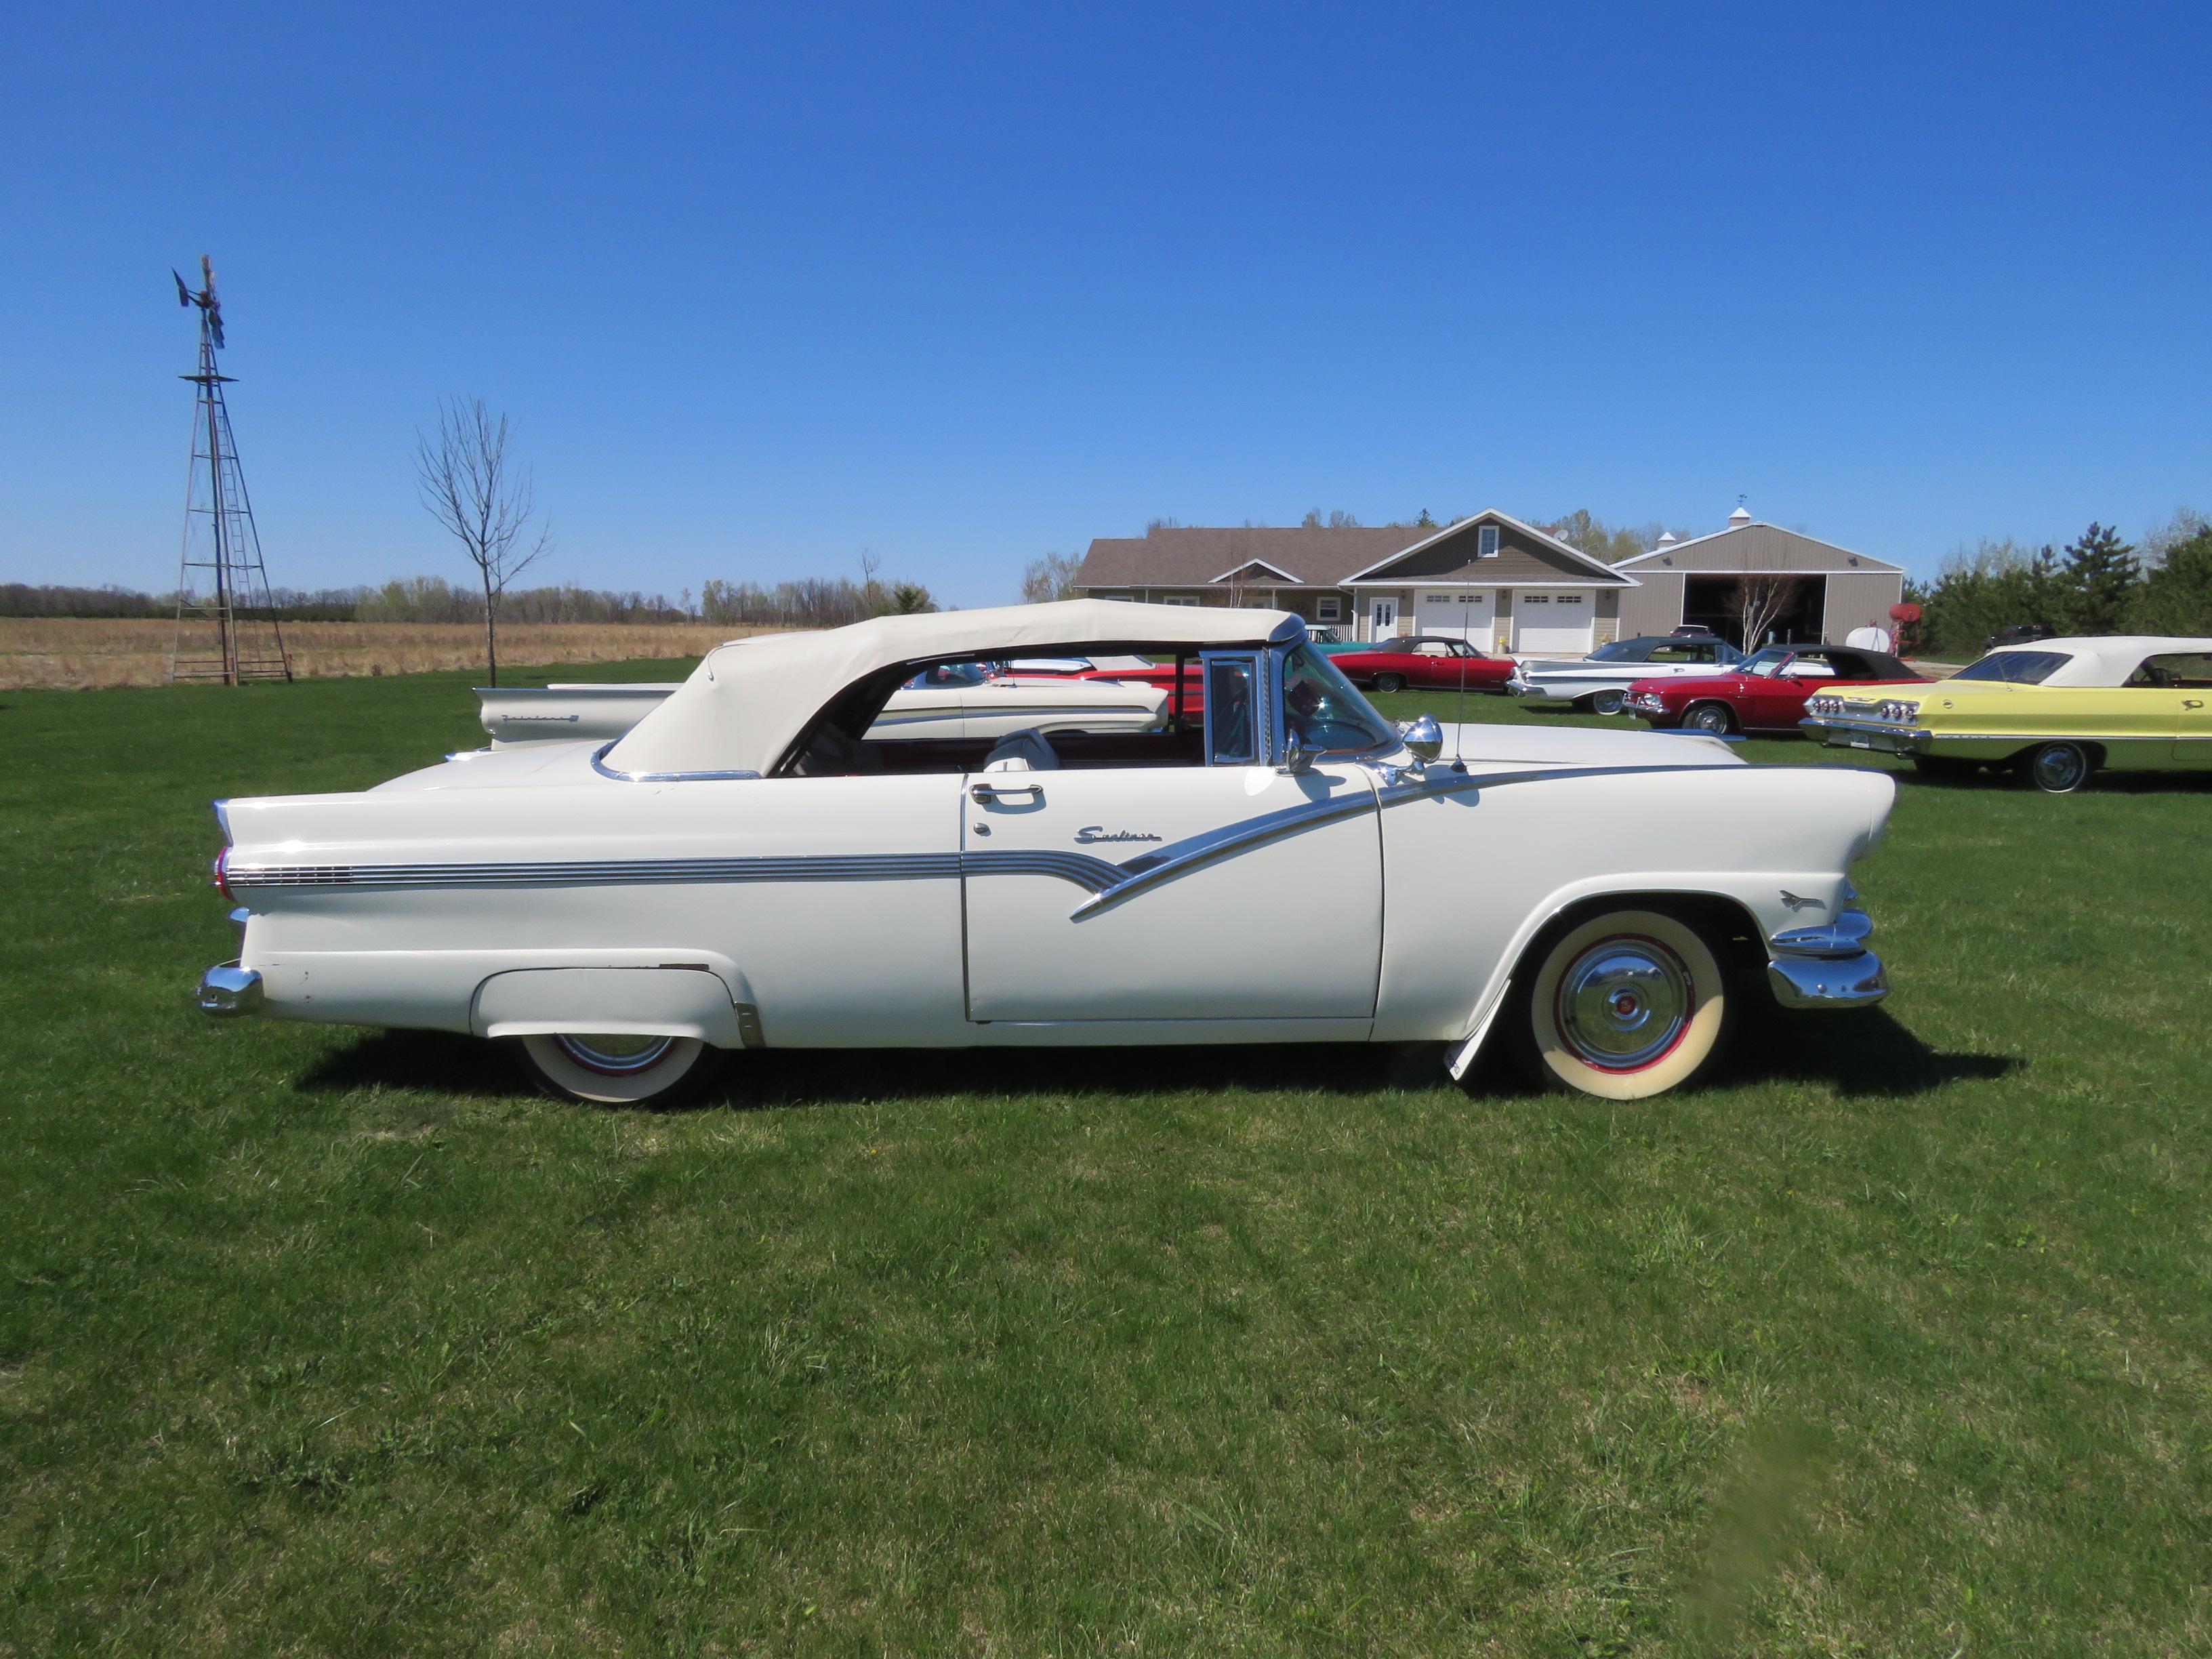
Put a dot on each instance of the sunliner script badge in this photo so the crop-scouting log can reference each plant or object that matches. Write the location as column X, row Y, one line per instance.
column 1092, row 832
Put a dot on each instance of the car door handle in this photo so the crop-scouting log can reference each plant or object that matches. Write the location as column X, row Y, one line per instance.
column 987, row 792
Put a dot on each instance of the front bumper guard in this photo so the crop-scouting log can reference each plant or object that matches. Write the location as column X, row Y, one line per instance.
column 1828, row 966
column 229, row 991
column 1854, row 731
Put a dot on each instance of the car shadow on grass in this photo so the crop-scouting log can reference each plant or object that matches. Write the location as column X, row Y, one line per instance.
column 442, row 1062
column 1863, row 1052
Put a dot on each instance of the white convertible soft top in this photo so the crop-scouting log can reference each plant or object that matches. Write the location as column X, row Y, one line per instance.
column 2103, row 659
column 745, row 703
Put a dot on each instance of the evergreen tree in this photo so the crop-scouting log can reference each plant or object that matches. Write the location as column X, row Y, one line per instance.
column 2096, row 583
column 2176, row 596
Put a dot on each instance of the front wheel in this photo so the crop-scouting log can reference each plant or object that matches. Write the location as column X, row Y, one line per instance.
column 1711, row 718
column 1389, row 682
column 607, row 1070
column 1607, row 703
column 1624, row 1005
column 2058, row 768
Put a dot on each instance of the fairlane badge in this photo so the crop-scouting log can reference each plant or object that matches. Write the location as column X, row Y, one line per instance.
column 1092, row 832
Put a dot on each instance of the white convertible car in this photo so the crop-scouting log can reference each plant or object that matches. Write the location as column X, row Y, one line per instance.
column 757, row 862
column 1599, row 682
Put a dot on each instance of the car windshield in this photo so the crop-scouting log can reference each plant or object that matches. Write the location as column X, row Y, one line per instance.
column 1767, row 662
column 1325, row 711
column 2019, row 668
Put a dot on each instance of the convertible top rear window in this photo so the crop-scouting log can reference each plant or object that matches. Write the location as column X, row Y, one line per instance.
column 2019, row 668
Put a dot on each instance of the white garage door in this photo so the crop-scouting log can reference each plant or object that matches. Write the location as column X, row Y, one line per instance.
column 1458, row 614
column 1553, row 621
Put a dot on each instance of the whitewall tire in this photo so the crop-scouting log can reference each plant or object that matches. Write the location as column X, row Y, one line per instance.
column 1623, row 1006
column 1710, row 718
column 1607, row 703
column 618, row 1070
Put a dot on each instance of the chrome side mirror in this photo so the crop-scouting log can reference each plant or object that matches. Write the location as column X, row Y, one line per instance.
column 1424, row 736
column 1297, row 759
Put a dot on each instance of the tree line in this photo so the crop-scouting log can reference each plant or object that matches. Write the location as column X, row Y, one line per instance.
column 2097, row 584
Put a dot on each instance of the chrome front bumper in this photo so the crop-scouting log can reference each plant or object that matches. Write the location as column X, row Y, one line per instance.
column 1852, row 731
column 1828, row 966
column 229, row 991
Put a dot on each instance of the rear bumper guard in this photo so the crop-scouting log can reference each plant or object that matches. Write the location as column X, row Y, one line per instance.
column 228, row 991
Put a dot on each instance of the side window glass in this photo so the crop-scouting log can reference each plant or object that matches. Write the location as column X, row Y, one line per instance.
column 2192, row 671
column 1230, row 696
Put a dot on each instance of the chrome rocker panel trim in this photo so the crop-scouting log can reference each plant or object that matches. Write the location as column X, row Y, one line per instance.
column 228, row 991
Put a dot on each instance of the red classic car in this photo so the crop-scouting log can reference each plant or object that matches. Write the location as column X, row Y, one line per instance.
column 1767, row 692
column 1136, row 670
column 1445, row 665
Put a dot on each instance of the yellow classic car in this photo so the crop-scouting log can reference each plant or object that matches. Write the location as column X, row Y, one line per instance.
column 2055, row 711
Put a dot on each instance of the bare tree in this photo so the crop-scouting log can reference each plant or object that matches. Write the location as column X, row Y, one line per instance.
column 1052, row 577
column 471, row 487
column 1756, row 600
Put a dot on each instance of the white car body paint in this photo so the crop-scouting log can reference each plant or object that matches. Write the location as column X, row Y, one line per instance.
column 531, row 887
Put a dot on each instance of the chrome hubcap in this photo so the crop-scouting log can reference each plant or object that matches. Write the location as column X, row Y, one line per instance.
column 2060, row 768
column 1710, row 720
column 616, row 1056
column 1623, row 1003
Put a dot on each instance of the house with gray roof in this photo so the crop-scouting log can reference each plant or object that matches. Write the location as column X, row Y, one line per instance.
column 1500, row 583
column 1491, row 579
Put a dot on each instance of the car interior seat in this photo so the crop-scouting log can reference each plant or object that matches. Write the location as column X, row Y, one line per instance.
column 1025, row 750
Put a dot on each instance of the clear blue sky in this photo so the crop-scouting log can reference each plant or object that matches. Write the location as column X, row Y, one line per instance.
column 762, row 287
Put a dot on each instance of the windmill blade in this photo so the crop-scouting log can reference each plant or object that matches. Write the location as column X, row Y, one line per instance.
column 207, row 275
column 214, row 323
column 184, row 294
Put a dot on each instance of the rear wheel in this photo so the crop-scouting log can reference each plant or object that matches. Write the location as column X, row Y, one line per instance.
column 1624, row 1005
column 1713, row 718
column 1607, row 702
column 607, row 1070
column 2058, row 768
column 1389, row 682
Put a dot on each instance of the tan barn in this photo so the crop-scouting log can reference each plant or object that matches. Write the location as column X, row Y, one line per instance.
column 1830, row 590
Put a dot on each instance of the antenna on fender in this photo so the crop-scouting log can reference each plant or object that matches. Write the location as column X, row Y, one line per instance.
column 1459, row 719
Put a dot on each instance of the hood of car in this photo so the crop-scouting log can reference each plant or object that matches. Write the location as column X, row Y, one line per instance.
column 1486, row 747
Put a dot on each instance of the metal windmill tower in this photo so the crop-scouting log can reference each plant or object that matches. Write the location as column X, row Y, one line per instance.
column 227, row 627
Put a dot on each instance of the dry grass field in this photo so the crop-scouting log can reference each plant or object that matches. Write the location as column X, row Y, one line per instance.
column 85, row 653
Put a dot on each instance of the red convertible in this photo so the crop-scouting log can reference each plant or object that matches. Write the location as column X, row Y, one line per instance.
column 1443, row 664
column 1765, row 692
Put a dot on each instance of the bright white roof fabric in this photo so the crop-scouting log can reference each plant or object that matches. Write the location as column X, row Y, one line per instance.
column 747, row 700
column 2104, row 658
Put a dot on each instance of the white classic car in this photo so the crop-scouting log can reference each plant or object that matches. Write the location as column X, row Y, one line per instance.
column 1599, row 682
column 758, row 863
column 945, row 700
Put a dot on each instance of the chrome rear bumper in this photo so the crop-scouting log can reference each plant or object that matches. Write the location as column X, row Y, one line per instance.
column 1828, row 966
column 1850, row 732
column 229, row 991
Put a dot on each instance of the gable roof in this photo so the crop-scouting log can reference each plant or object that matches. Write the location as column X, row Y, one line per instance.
column 1799, row 551
column 1267, row 565
column 1572, row 560
column 1197, row 557
column 1319, row 556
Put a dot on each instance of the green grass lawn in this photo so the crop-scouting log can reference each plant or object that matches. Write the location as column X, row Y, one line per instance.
column 318, row 1342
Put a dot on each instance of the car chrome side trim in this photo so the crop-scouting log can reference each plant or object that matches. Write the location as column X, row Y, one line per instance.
column 1846, row 936
column 600, row 872
column 599, row 765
